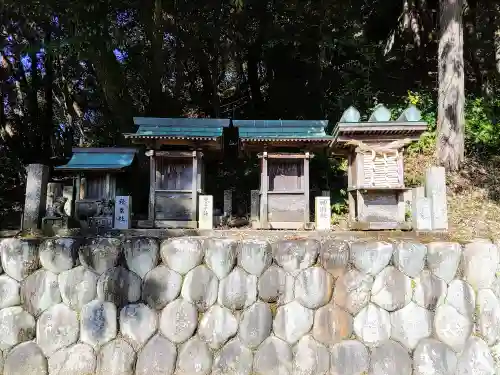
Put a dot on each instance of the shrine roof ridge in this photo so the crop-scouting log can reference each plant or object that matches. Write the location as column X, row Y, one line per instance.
column 99, row 159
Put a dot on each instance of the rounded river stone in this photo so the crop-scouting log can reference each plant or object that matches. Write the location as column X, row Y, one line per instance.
column 390, row 358
column 461, row 296
column 217, row 326
column 392, row 289
column 157, row 357
column 409, row 257
column 310, row 357
column 352, row 290
column 275, row 285
column 119, row 285
column 181, row 254
column 432, row 357
column 371, row 256
column 411, row 324
column 443, row 259
column 429, row 290
column 233, row 359
column 313, row 287
column 200, row 287
column 179, row 320
column 100, row 254
column 238, row 290
column 476, row 359
column 16, row 326
column 372, row 325
column 58, row 327
column 39, row 291
column 334, row 256
column 451, row 327
column 59, row 254
column 295, row 255
column 137, row 324
column 220, row 255
column 141, row 254
column 161, row 285
column 349, row 357
column 19, row 257
column 78, row 359
column 25, row 358
column 480, row 261
column 292, row 321
column 116, row 358
column 98, row 323
column 254, row 256
column 488, row 309
column 255, row 325
column 274, row 356
column 331, row 324
column 194, row 358
column 9, row 292
column 78, row 286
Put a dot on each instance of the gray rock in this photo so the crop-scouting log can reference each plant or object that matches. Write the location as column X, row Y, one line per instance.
column 371, row 256
column 392, row 289
column 451, row 327
column 349, row 357
column 157, row 357
column 178, row 320
column 1, row 362
column 26, row 358
column 238, row 290
column 116, row 358
column 352, row 290
column 194, row 358
column 181, row 254
column 480, row 261
column 58, row 254
column 334, row 256
column 137, row 324
column 495, row 353
column 409, row 257
column 233, row 359
column 432, row 357
column 19, row 257
column 372, row 325
column 292, row 321
column 295, row 255
column 275, row 285
column 310, row 357
column 39, row 291
column 100, row 254
column 443, row 259
column 254, row 256
column 16, row 326
column 78, row 359
column 331, row 325
column 220, row 255
column 475, row 359
column 488, row 319
column 461, row 296
column 429, row 290
column 98, row 323
column 57, row 328
column 217, row 326
column 9, row 292
column 313, row 287
column 119, row 285
column 274, row 356
column 200, row 287
column 411, row 324
column 255, row 324
column 161, row 286
column 78, row 286
column 141, row 254
column 390, row 358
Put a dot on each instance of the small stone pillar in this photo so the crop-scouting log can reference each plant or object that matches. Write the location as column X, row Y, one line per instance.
column 206, row 215
column 435, row 190
column 228, row 203
column 54, row 191
column 69, row 194
column 254, row 206
column 323, row 213
column 37, row 176
column 421, row 210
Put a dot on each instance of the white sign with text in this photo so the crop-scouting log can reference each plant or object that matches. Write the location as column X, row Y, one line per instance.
column 123, row 206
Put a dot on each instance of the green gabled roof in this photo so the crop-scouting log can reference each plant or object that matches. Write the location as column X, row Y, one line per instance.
column 282, row 130
column 99, row 159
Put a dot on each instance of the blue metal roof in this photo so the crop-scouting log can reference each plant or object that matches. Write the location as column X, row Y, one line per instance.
column 198, row 128
column 99, row 159
column 282, row 129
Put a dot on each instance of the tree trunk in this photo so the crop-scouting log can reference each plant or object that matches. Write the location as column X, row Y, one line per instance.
column 496, row 36
column 451, row 96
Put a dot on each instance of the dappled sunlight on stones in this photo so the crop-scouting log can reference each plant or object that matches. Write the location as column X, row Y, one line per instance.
column 78, row 359
column 220, row 255
column 178, row 320
column 254, row 256
column 100, row 254
column 432, row 357
column 39, row 291
column 372, row 325
column 181, row 254
column 19, row 257
column 58, row 327
column 237, row 290
column 409, row 257
column 161, row 285
column 292, row 321
column 98, row 323
column 200, row 287
column 78, row 286
column 119, row 285
column 443, row 259
column 141, row 254
column 137, row 324
column 410, row 325
column 313, row 287
column 217, row 326
column 392, row 289
column 26, row 358
column 16, row 326
column 233, row 359
column 371, row 256
column 295, row 255
column 352, row 291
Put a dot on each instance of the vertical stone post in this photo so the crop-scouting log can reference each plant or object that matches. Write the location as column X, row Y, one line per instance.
column 323, row 213
column 36, row 195
column 435, row 190
column 254, row 207
column 421, row 210
column 228, row 203
column 69, row 194
column 206, row 214
column 54, row 191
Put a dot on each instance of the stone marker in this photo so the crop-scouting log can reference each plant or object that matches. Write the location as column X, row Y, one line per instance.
column 123, row 208
column 36, row 195
column 254, row 205
column 435, row 190
column 69, row 194
column 322, row 213
column 421, row 210
column 206, row 216
column 54, row 191
column 228, row 203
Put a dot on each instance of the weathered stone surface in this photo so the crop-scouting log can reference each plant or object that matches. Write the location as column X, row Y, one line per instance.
column 409, row 257
column 411, row 324
column 58, row 327
column 217, row 326
column 1, row 362
column 443, row 259
column 98, row 323
column 488, row 319
column 390, row 358
column 274, row 356
column 161, row 285
column 141, row 254
column 233, row 359
column 495, row 353
column 461, row 296
column 451, row 327
column 254, row 256
column 352, row 290
column 479, row 263
column 275, row 285
column 39, row 291
column 137, row 324
column 119, row 285
column 349, row 357
column 58, row 254
column 429, row 290
column 313, row 287
column 220, row 255
column 200, row 287
column 78, row 286
column 238, row 290
column 178, row 320
column 255, row 324
column 292, row 321
column 331, row 324
column 9, row 292
column 16, row 326
column 181, row 254
column 310, row 357
column 475, row 358
column 432, row 357
column 194, row 358
column 78, row 359
column 157, row 357
column 392, row 289
column 100, row 254
column 372, row 325
column 371, row 256
column 26, row 358
column 116, row 358
column 19, row 257
column 295, row 255
column 334, row 256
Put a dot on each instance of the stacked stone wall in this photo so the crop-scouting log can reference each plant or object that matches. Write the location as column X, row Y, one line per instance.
column 199, row 306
